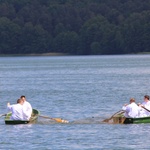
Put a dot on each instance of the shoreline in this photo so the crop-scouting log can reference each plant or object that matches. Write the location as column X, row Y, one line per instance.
column 61, row 54
column 33, row 54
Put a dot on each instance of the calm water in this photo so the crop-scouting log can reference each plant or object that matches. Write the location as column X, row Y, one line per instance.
column 82, row 89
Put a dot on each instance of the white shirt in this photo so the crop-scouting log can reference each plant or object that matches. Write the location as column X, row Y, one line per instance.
column 143, row 112
column 17, row 111
column 131, row 110
column 27, row 109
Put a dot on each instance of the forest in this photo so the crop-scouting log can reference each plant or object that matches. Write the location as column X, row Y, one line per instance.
column 75, row 27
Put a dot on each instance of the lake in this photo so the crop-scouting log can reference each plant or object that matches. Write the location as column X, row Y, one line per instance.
column 81, row 89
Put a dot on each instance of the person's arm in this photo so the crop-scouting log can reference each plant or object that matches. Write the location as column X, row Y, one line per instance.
column 30, row 108
column 147, row 106
column 9, row 106
column 26, row 114
column 124, row 107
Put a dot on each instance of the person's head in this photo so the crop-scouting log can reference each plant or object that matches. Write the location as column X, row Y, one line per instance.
column 146, row 98
column 20, row 101
column 23, row 98
column 132, row 100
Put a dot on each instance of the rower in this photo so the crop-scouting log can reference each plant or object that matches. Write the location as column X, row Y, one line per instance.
column 17, row 110
column 131, row 110
column 27, row 108
column 145, row 104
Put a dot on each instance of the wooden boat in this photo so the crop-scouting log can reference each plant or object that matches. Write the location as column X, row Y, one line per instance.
column 120, row 119
column 33, row 119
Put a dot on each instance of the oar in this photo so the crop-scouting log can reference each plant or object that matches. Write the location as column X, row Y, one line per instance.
column 107, row 120
column 145, row 108
column 3, row 115
column 56, row 119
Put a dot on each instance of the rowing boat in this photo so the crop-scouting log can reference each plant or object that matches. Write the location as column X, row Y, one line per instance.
column 120, row 119
column 124, row 120
column 33, row 119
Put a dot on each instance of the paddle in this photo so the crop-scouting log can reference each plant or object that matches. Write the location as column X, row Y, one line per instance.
column 107, row 120
column 2, row 115
column 56, row 119
column 145, row 108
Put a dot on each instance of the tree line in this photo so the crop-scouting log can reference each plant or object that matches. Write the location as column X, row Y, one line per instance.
column 77, row 27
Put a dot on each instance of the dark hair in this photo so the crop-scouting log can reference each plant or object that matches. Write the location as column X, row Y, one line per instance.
column 132, row 100
column 22, row 96
column 19, row 100
column 146, row 96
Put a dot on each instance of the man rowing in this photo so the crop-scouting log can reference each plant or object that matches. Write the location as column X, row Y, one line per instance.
column 20, row 111
column 17, row 110
column 145, row 104
column 27, row 107
column 131, row 110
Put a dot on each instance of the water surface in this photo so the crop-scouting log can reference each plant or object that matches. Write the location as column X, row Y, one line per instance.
column 82, row 89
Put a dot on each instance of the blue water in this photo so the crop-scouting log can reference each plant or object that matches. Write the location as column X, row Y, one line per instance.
column 82, row 89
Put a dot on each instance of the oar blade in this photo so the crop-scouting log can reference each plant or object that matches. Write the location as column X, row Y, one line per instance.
column 3, row 115
column 60, row 120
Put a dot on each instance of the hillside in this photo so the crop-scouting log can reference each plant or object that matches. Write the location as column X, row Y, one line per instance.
column 78, row 27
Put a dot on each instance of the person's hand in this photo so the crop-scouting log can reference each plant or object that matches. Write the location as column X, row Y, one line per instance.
column 125, row 104
column 140, row 105
column 8, row 104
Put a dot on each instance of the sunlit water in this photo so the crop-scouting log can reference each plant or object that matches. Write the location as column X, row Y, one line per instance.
column 82, row 89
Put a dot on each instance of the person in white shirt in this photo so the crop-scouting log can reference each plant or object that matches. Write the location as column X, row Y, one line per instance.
column 17, row 110
column 146, row 104
column 27, row 107
column 131, row 110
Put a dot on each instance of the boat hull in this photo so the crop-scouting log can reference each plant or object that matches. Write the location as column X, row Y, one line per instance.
column 33, row 119
column 137, row 120
column 123, row 120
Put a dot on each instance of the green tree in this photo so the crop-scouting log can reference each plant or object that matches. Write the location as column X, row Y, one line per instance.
column 66, row 42
column 95, row 48
column 90, row 26
column 136, row 31
column 9, row 36
column 35, row 39
column 7, row 10
column 97, row 29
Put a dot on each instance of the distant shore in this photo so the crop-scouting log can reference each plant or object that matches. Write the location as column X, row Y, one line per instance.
column 33, row 54
column 61, row 54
